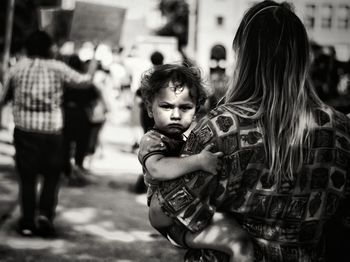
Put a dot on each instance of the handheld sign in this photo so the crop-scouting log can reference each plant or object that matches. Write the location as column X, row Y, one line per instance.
column 56, row 22
column 97, row 23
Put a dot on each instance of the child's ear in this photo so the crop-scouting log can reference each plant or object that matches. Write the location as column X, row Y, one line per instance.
column 149, row 111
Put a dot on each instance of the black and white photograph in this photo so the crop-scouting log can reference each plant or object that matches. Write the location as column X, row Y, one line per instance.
column 174, row 131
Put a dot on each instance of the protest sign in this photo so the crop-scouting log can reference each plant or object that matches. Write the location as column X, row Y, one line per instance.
column 56, row 22
column 97, row 23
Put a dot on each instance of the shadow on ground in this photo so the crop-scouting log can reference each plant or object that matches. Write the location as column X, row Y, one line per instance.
column 103, row 221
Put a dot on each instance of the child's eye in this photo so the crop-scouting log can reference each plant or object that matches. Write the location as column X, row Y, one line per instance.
column 166, row 106
column 186, row 108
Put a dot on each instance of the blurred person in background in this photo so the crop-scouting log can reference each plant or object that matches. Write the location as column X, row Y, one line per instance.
column 136, row 65
column 77, row 129
column 120, row 75
column 98, row 110
column 325, row 72
column 35, row 85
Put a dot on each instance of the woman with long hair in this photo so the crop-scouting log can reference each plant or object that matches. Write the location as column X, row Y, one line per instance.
column 285, row 173
column 271, row 83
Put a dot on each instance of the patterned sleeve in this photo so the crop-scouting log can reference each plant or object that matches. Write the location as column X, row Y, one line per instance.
column 151, row 144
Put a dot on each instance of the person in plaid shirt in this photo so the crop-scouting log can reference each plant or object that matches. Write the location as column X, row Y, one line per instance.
column 35, row 85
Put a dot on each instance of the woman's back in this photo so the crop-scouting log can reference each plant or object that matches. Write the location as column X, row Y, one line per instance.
column 285, row 167
column 286, row 219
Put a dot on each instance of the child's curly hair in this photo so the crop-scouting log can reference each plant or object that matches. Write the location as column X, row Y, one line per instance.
column 159, row 77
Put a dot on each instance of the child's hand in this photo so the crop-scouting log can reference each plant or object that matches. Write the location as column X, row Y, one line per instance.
column 210, row 162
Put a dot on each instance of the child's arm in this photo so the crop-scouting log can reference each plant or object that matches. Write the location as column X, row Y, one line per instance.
column 161, row 167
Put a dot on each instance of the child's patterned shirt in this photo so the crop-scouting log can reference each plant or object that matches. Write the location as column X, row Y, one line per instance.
column 154, row 142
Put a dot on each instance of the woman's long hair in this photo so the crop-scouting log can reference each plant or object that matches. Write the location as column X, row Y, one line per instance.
column 272, row 62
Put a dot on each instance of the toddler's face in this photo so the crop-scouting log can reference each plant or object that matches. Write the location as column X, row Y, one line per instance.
column 173, row 110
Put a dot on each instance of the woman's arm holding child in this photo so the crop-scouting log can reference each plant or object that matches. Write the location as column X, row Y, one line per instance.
column 164, row 168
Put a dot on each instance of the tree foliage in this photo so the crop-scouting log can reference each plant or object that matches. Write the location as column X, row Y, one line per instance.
column 176, row 13
column 25, row 20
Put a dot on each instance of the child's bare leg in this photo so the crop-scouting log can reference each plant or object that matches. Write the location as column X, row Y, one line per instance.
column 226, row 235
column 157, row 217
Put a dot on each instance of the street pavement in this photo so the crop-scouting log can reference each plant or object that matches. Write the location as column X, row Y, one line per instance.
column 102, row 221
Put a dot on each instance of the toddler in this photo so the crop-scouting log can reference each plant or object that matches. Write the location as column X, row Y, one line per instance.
column 173, row 94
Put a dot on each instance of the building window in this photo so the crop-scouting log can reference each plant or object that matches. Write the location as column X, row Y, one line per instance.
column 344, row 17
column 219, row 20
column 310, row 12
column 326, row 16
column 218, row 59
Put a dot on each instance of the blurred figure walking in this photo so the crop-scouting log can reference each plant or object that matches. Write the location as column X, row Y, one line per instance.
column 35, row 84
column 77, row 130
column 99, row 109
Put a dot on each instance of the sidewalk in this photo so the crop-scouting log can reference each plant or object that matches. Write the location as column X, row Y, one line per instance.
column 103, row 221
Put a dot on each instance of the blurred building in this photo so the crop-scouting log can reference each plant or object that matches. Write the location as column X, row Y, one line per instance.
column 213, row 24
column 327, row 23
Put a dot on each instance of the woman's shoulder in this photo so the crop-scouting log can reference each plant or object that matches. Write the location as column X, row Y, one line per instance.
column 222, row 120
column 327, row 116
column 230, row 117
column 223, row 126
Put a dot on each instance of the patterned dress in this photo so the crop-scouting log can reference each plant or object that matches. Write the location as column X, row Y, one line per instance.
column 286, row 219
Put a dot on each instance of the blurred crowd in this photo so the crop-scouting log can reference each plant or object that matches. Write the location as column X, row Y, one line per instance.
column 115, row 84
column 61, row 102
column 330, row 77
